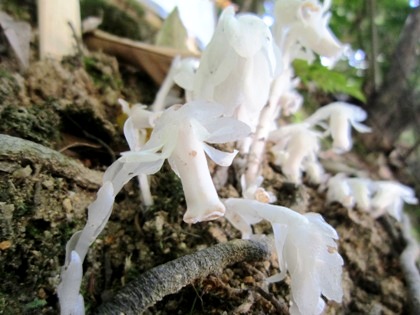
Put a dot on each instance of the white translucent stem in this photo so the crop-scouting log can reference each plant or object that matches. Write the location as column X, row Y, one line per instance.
column 268, row 116
column 256, row 151
column 146, row 195
column 165, row 88
column 59, row 28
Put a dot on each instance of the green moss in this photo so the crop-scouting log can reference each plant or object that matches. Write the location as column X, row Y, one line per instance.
column 23, row 208
column 36, row 303
column 102, row 76
column 167, row 186
column 114, row 21
column 8, row 88
column 24, row 10
column 38, row 123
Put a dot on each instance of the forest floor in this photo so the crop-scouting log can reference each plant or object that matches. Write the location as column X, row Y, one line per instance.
column 72, row 109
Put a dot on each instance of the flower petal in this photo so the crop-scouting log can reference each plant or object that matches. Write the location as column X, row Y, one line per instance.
column 219, row 157
column 360, row 127
column 225, row 129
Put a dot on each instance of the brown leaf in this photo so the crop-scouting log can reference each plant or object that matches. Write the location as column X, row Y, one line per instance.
column 155, row 60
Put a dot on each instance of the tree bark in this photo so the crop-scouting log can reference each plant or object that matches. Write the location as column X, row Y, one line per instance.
column 13, row 149
column 395, row 106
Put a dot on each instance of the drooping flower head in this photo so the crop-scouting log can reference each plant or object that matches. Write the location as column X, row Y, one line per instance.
column 304, row 24
column 236, row 67
column 296, row 150
column 362, row 190
column 339, row 190
column 306, row 249
column 180, row 135
column 390, row 197
column 341, row 117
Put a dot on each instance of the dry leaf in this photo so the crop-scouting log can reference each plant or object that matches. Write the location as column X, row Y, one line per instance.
column 155, row 60
column 173, row 33
column 18, row 35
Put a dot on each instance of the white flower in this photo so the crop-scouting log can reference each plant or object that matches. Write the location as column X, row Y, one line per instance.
column 362, row 189
column 296, row 146
column 310, row 255
column 305, row 22
column 314, row 170
column 237, row 66
column 390, row 197
column 135, row 127
column 179, row 135
column 305, row 246
column 339, row 190
column 341, row 117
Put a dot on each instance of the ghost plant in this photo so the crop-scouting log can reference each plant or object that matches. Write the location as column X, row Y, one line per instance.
column 236, row 68
column 375, row 197
column 296, row 148
column 350, row 192
column 305, row 247
column 300, row 30
column 390, row 197
column 341, row 117
column 339, row 190
column 241, row 71
column 180, row 134
column 136, row 128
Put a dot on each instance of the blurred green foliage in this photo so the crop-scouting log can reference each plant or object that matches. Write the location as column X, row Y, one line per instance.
column 126, row 21
column 329, row 81
column 351, row 22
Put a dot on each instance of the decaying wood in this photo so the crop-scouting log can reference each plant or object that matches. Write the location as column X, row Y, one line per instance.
column 59, row 28
column 169, row 278
column 17, row 150
column 155, row 60
column 408, row 261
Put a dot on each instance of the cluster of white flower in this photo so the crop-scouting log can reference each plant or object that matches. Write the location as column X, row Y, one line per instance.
column 243, row 82
column 375, row 197
column 297, row 145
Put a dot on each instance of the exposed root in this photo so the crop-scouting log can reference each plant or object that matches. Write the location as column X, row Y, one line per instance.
column 169, row 278
column 17, row 150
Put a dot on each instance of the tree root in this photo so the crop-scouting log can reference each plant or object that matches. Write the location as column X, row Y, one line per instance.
column 408, row 260
column 17, row 150
column 169, row 278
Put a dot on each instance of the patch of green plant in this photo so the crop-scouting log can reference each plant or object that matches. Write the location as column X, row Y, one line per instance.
column 328, row 80
column 38, row 123
column 23, row 10
column 22, row 209
column 114, row 20
column 8, row 87
column 101, row 79
column 167, row 186
column 5, row 74
column 36, row 303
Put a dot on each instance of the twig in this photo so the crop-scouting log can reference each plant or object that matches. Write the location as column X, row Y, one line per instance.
column 169, row 278
column 280, row 307
column 374, row 45
column 20, row 151
column 408, row 260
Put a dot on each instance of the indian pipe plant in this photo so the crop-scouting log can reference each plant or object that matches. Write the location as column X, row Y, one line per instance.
column 242, row 84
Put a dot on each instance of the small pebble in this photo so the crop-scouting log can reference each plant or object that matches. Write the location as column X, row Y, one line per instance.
column 67, row 205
